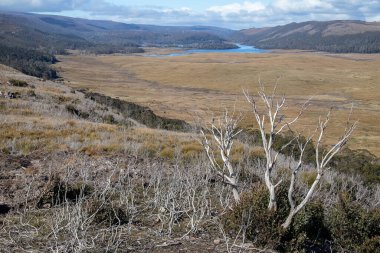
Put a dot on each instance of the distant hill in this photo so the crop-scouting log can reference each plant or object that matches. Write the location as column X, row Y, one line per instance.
column 28, row 42
column 330, row 36
column 82, row 33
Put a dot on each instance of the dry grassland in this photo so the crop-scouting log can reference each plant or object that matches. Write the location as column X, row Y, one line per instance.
column 184, row 86
column 42, row 124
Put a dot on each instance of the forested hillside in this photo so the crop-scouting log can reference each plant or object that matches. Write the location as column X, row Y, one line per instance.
column 28, row 42
column 28, row 61
column 330, row 36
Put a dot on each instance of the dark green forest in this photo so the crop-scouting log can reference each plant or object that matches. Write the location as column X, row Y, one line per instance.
column 28, row 61
column 368, row 42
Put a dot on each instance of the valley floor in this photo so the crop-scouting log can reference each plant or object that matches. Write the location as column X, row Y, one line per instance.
column 186, row 86
column 80, row 176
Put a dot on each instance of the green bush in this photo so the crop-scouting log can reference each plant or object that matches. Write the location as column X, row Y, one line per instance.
column 371, row 245
column 109, row 214
column 59, row 192
column 359, row 162
column 263, row 226
column 308, row 232
column 352, row 227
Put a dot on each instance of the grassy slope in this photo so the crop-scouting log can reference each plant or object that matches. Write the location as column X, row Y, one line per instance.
column 141, row 176
column 42, row 123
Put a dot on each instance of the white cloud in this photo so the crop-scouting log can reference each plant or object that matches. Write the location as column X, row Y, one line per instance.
column 238, row 14
column 237, row 8
column 302, row 6
column 285, row 11
column 42, row 5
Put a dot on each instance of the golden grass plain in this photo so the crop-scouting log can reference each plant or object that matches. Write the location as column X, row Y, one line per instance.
column 186, row 86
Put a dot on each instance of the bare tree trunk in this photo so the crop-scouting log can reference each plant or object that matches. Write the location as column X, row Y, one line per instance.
column 288, row 220
column 236, row 194
column 321, row 163
column 294, row 211
column 276, row 123
column 272, row 206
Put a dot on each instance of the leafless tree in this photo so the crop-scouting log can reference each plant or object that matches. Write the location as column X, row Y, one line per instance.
column 277, row 123
column 274, row 119
column 223, row 130
column 322, row 158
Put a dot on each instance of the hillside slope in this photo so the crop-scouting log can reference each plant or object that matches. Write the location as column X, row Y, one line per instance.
column 84, row 31
column 70, row 165
column 331, row 36
column 28, row 42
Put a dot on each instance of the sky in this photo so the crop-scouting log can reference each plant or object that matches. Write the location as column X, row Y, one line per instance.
column 233, row 14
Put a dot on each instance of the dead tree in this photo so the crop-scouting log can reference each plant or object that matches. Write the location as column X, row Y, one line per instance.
column 275, row 120
column 223, row 131
column 322, row 158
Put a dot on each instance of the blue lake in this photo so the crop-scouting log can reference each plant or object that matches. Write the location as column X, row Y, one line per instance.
column 242, row 49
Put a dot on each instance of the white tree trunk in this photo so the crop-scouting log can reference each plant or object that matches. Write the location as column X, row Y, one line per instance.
column 272, row 206
column 294, row 211
column 289, row 219
column 236, row 194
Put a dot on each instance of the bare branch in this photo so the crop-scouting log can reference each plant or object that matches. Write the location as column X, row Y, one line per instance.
column 321, row 163
column 223, row 134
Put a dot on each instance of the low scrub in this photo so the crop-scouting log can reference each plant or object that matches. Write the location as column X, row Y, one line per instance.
column 18, row 83
column 346, row 227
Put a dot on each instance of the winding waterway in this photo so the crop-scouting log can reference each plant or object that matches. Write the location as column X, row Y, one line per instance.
column 241, row 49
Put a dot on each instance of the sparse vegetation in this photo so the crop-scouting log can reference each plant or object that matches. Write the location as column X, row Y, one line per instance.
column 79, row 174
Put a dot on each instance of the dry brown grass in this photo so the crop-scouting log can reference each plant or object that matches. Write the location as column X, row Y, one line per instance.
column 43, row 124
column 181, row 87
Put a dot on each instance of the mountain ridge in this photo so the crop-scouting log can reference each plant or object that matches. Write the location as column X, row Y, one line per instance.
column 29, row 41
column 338, row 36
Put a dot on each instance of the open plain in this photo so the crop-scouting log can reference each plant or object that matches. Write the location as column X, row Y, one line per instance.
column 186, row 86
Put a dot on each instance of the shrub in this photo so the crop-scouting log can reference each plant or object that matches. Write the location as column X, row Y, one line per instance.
column 60, row 192
column 263, row 226
column 18, row 83
column 149, row 149
column 308, row 232
column 108, row 214
column 191, row 150
column 371, row 245
column 352, row 227
column 168, row 153
column 360, row 162
column 308, row 177
column 256, row 152
column 109, row 119
column 73, row 110
column 31, row 93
